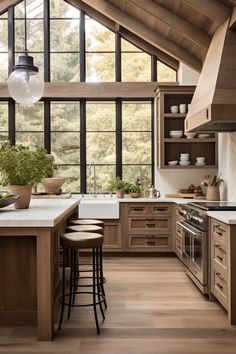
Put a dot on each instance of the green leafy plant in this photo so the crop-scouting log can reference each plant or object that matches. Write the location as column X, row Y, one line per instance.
column 21, row 165
column 134, row 188
column 115, row 184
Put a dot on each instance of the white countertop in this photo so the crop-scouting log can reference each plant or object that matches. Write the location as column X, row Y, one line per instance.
column 228, row 217
column 155, row 200
column 41, row 213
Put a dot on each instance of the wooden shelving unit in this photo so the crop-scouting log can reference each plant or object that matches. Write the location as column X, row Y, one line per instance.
column 169, row 149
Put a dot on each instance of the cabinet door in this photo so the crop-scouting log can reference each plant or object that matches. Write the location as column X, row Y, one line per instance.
column 112, row 236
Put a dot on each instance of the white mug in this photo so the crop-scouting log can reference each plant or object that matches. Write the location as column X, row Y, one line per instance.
column 174, row 109
column 182, row 108
column 200, row 159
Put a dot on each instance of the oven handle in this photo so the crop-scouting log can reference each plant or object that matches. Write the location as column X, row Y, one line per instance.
column 180, row 223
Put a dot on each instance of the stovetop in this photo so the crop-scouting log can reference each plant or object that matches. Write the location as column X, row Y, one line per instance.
column 220, row 206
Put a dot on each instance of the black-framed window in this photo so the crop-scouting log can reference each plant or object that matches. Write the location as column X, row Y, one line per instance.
column 114, row 137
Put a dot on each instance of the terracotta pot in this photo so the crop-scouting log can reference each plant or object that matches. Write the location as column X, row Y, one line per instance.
column 120, row 193
column 213, row 193
column 25, row 195
column 52, row 185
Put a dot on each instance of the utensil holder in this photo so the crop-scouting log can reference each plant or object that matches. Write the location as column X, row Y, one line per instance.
column 213, row 193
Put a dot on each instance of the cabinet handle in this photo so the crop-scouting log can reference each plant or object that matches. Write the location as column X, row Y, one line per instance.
column 220, row 248
column 150, row 225
column 137, row 209
column 160, row 209
column 150, row 240
column 219, row 286
column 219, row 232
column 220, row 258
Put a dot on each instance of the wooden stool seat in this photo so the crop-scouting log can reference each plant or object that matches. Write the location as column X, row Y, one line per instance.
column 85, row 228
column 81, row 240
column 87, row 222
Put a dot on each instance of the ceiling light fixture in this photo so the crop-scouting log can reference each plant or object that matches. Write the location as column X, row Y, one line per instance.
column 25, row 84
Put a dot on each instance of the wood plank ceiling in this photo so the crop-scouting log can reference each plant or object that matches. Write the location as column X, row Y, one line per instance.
column 173, row 30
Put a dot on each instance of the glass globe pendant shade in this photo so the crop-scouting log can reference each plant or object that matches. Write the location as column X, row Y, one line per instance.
column 25, row 84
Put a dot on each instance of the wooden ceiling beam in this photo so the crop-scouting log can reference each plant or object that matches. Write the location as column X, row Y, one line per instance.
column 143, row 31
column 135, row 40
column 213, row 9
column 5, row 4
column 181, row 26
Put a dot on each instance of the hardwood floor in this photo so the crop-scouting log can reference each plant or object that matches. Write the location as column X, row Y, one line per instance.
column 153, row 308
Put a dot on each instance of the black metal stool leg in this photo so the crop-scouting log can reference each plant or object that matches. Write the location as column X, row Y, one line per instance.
column 75, row 278
column 71, row 280
column 98, row 280
column 101, row 276
column 94, row 292
column 63, row 288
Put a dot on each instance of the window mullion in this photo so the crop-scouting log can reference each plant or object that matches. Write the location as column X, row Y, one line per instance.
column 83, row 171
column 119, row 137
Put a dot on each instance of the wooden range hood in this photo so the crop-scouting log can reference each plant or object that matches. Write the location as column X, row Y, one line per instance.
column 213, row 107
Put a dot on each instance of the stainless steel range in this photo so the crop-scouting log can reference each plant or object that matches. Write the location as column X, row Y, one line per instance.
column 194, row 229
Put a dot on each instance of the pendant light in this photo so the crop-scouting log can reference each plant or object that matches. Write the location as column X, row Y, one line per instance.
column 25, row 84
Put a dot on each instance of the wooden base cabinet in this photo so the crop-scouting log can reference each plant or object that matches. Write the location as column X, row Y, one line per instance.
column 112, row 236
column 223, row 265
column 146, row 227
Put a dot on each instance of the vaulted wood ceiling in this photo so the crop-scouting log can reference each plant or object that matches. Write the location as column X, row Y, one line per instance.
column 181, row 29
column 173, row 30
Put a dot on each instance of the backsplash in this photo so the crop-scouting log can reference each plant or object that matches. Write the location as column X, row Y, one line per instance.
column 227, row 165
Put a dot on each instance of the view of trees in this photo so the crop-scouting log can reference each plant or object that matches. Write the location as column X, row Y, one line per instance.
column 65, row 115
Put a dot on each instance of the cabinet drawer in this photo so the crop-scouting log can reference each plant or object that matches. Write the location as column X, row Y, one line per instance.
column 146, row 241
column 219, row 286
column 162, row 224
column 137, row 209
column 160, row 209
column 219, row 231
column 219, row 254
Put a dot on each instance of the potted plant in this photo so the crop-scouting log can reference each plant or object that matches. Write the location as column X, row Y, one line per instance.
column 21, row 168
column 134, row 190
column 50, row 183
column 117, row 185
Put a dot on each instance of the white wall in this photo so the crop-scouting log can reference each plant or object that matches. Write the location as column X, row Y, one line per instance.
column 227, row 165
column 187, row 76
column 169, row 181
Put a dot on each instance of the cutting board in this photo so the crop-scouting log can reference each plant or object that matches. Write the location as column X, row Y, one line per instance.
column 185, row 195
column 64, row 195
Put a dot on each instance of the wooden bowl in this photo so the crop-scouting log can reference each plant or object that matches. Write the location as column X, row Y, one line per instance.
column 135, row 195
column 8, row 201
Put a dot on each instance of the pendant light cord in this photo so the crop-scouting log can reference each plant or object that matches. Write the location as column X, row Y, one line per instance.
column 25, row 50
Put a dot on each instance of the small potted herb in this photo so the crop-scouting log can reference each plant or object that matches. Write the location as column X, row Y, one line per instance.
column 134, row 191
column 50, row 183
column 118, row 186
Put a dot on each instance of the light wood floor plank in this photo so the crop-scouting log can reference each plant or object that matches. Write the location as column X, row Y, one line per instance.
column 153, row 308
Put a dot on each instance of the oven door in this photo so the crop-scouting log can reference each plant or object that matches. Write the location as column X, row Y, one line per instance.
column 194, row 250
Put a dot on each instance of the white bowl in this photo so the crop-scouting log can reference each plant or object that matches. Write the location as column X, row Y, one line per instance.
column 200, row 159
column 174, row 109
column 190, row 135
column 203, row 136
column 184, row 163
column 172, row 163
column 176, row 133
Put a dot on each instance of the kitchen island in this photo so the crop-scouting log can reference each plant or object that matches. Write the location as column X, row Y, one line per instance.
column 29, row 260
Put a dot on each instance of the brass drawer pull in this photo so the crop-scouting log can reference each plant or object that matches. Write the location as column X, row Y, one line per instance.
column 160, row 209
column 220, row 258
column 219, row 286
column 150, row 240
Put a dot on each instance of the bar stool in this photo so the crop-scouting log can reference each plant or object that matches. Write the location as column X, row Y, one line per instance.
column 73, row 242
column 99, row 230
column 87, row 222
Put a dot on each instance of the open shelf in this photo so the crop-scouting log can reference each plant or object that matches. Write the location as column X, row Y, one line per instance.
column 169, row 149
